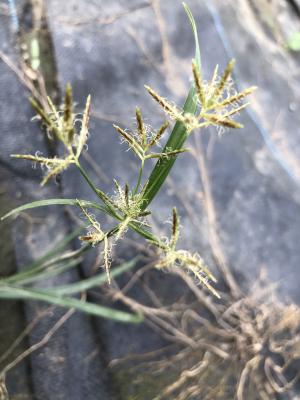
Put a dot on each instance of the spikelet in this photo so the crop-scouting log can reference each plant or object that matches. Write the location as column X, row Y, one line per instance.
column 95, row 234
column 84, row 131
column 53, row 109
column 141, row 127
column 68, row 119
column 171, row 110
column 221, row 121
column 198, row 83
column 225, row 77
column 234, row 99
column 175, row 229
column 51, row 126
column 134, row 145
column 157, row 136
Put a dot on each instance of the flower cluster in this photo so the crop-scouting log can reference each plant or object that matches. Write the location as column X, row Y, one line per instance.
column 217, row 100
column 95, row 236
column 130, row 204
column 172, row 257
column 62, row 125
column 143, row 139
column 126, row 206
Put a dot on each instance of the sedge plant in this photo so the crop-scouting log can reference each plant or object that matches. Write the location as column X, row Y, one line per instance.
column 212, row 102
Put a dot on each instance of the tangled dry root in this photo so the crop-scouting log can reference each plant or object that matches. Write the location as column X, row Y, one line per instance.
column 245, row 348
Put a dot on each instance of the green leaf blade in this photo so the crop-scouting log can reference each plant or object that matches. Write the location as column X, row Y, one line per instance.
column 195, row 32
column 50, row 202
column 89, row 283
column 69, row 302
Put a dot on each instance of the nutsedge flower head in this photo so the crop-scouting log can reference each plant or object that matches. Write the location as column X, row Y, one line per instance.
column 62, row 124
column 130, row 204
column 217, row 101
column 143, row 139
column 95, row 236
column 193, row 263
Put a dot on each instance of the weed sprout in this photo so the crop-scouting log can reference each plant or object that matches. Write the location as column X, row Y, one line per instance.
column 209, row 103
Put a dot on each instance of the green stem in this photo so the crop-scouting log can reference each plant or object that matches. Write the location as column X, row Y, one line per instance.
column 144, row 233
column 86, row 177
column 147, row 235
column 139, row 177
column 109, row 209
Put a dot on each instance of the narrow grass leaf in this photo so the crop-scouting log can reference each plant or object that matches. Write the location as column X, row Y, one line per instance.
column 68, row 302
column 89, row 283
column 51, row 202
column 49, row 272
column 46, row 260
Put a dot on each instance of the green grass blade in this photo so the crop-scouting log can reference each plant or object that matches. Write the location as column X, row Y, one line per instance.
column 89, row 283
column 68, row 302
column 179, row 133
column 194, row 28
column 50, row 258
column 51, row 202
column 49, row 272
